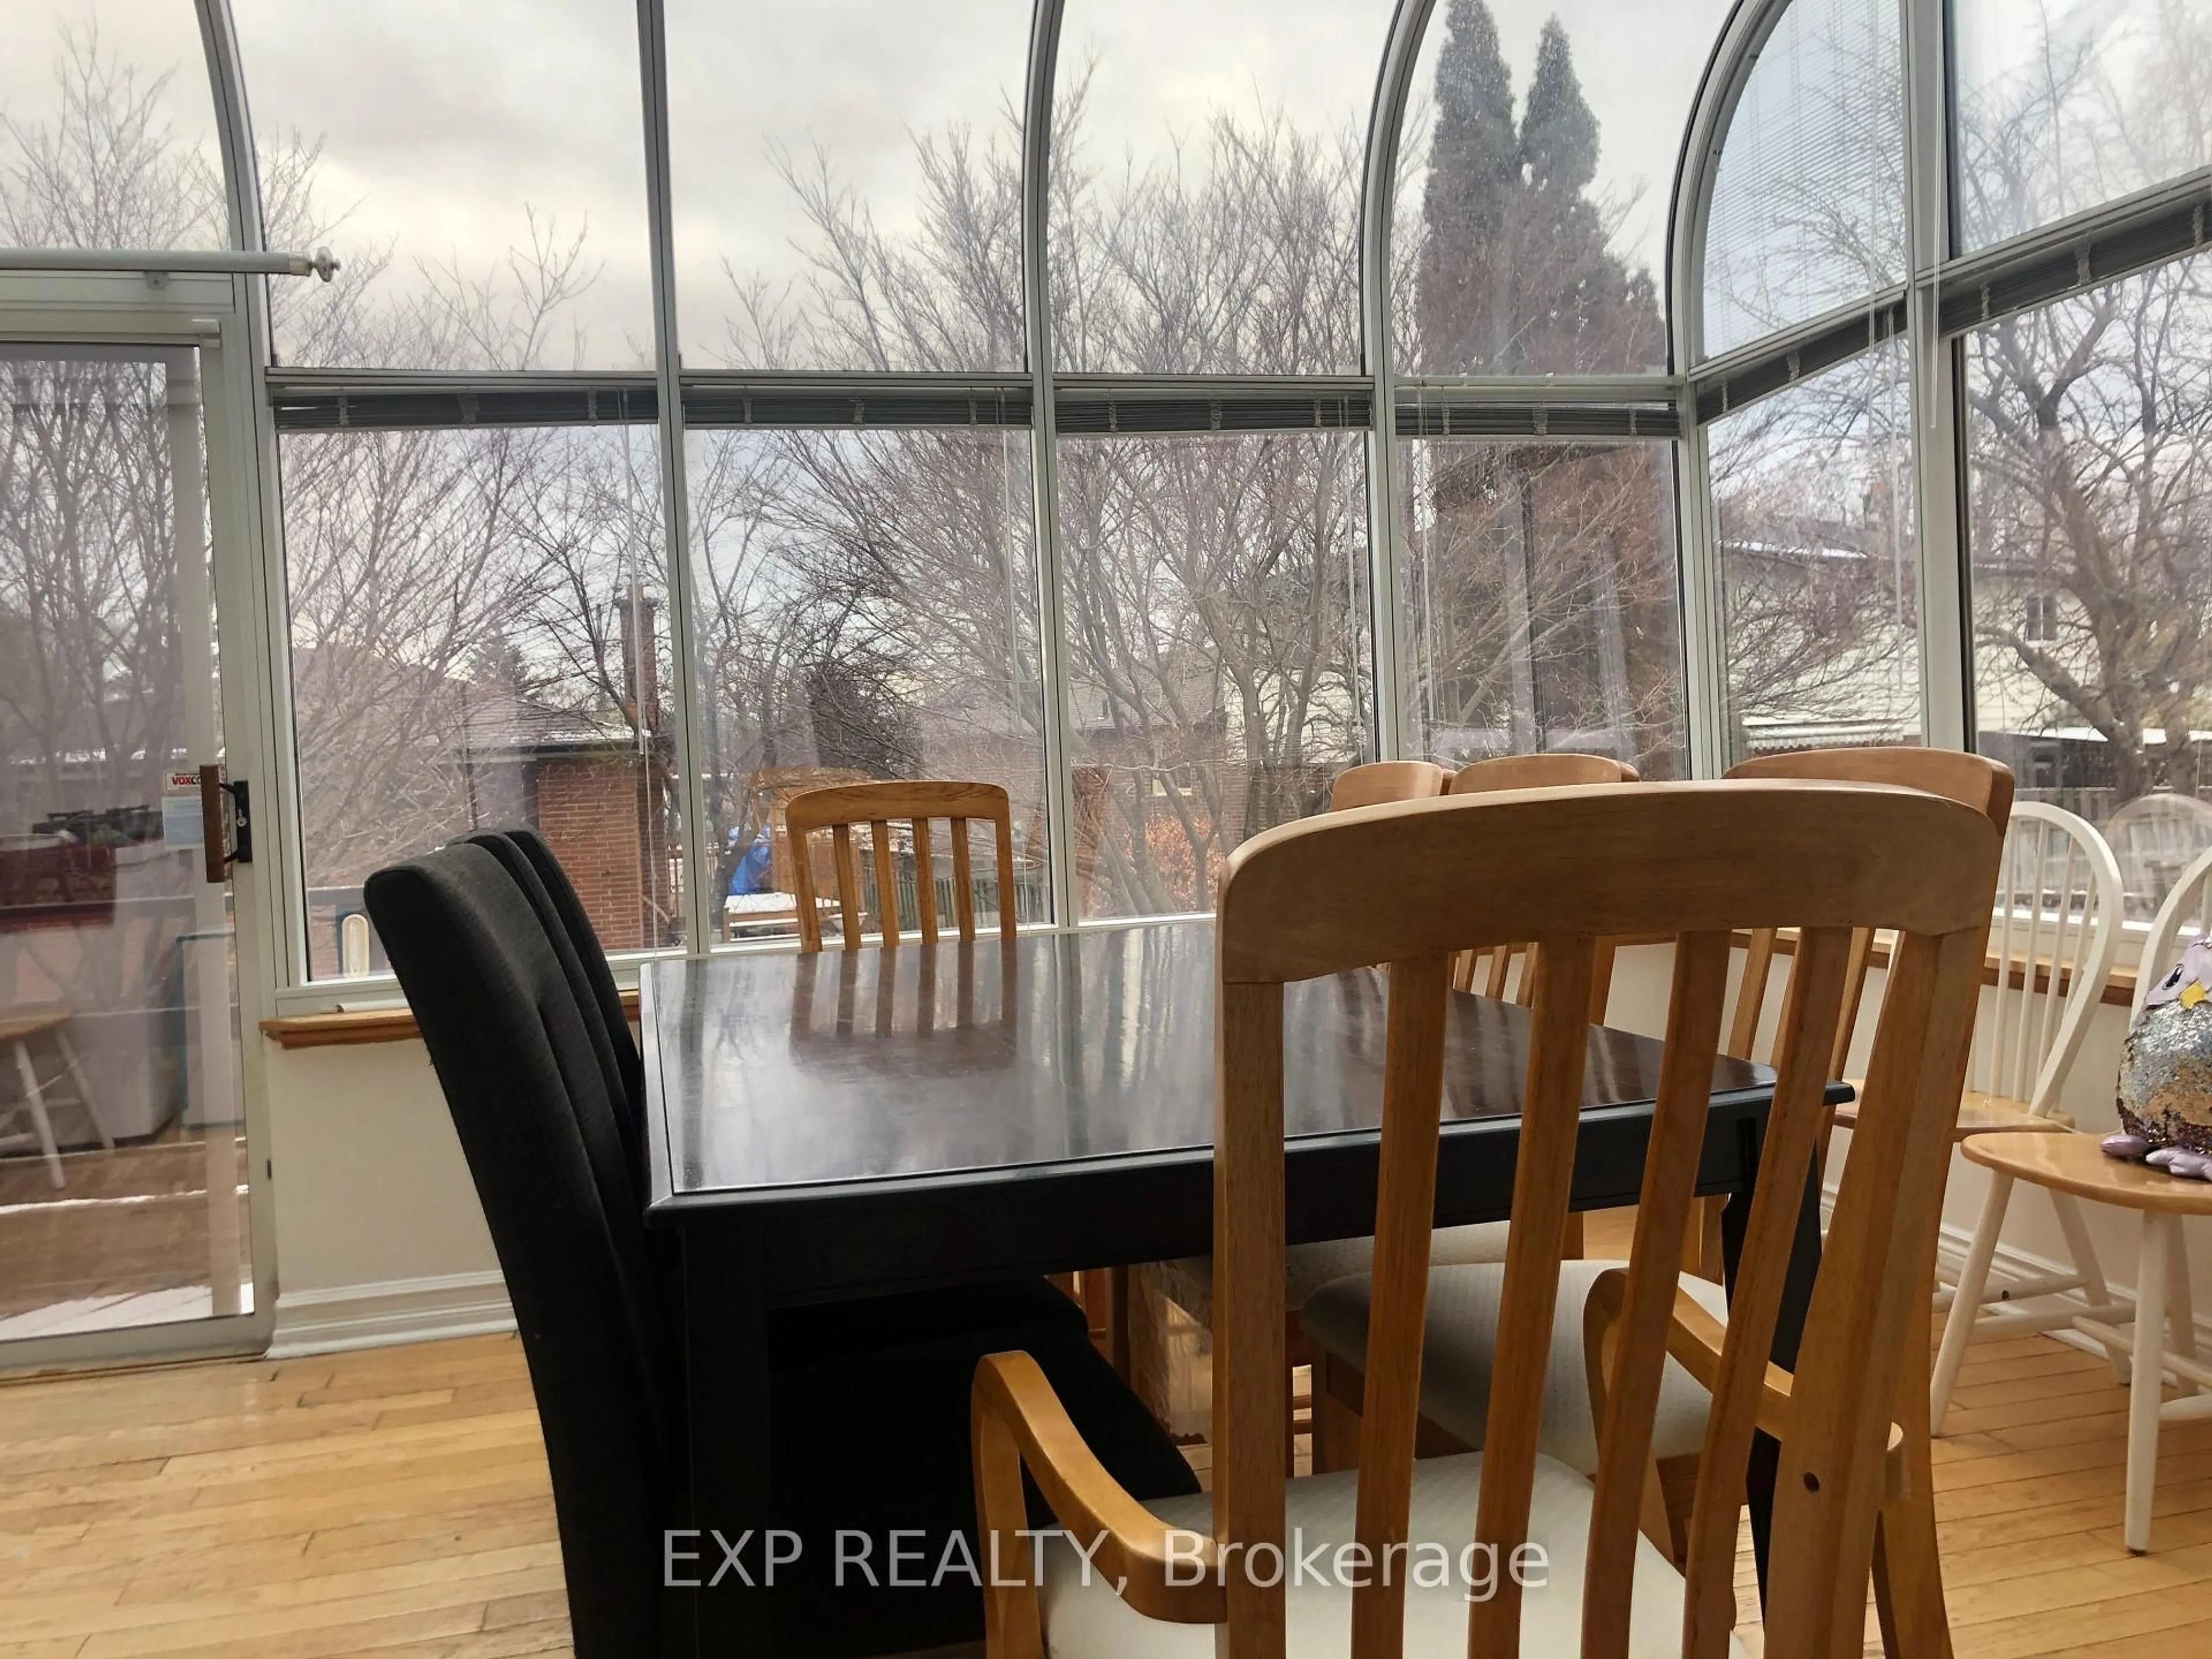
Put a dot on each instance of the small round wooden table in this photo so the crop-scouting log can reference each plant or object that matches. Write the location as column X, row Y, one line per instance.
column 2072, row 1163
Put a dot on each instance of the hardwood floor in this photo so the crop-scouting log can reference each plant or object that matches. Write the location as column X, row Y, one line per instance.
column 394, row 1501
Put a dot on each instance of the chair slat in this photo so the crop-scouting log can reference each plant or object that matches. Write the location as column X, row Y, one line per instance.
column 964, row 882
column 1855, row 978
column 887, row 905
column 849, row 883
column 924, row 882
column 1406, row 1202
column 803, row 894
column 1796, row 1123
column 1662, row 1217
column 1830, row 1482
column 1751, row 993
column 1251, row 1408
column 1501, row 964
column 1550, row 1120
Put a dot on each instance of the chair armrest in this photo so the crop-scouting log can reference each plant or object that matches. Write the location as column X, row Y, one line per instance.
column 1013, row 1402
column 1694, row 1338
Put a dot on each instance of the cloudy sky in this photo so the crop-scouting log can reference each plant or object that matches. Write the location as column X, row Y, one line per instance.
column 439, row 122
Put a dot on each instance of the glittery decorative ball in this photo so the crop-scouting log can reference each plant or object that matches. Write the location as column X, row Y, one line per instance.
column 2165, row 1067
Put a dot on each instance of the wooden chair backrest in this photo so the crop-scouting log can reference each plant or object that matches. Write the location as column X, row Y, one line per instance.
column 1408, row 886
column 1969, row 779
column 1386, row 780
column 879, row 805
column 2184, row 915
column 769, row 791
column 2054, row 936
column 1490, row 973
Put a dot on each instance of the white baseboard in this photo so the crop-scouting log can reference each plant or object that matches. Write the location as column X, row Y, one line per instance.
column 398, row 1311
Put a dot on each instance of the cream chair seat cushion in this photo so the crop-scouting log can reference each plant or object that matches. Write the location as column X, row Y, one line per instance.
column 1460, row 1343
column 1087, row 1620
column 1189, row 1282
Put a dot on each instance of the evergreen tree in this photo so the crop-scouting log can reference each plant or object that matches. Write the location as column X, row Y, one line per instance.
column 1559, row 134
column 1475, row 176
column 1569, row 289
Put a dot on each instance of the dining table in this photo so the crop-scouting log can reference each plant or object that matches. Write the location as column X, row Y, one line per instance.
column 856, row 1123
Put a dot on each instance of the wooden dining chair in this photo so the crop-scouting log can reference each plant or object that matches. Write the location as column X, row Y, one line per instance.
column 1379, row 781
column 1969, row 779
column 1188, row 1283
column 2053, row 938
column 1490, row 973
column 842, row 808
column 1405, row 887
column 1462, row 1335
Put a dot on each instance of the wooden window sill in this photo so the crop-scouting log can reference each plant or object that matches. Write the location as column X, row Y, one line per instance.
column 349, row 1027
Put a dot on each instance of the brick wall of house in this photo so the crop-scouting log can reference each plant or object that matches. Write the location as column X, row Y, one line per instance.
column 601, row 814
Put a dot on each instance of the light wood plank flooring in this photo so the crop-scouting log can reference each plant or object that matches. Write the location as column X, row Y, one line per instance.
column 395, row 1502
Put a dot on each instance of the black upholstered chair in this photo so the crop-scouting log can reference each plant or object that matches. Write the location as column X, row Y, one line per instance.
column 870, row 1399
column 530, row 863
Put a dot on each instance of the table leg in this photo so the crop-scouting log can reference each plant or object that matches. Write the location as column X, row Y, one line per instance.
column 1789, row 1330
column 726, row 1386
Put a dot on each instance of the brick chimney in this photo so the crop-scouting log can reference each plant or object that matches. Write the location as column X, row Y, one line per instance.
column 640, row 657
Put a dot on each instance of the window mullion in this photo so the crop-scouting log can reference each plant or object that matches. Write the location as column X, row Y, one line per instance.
column 700, row 918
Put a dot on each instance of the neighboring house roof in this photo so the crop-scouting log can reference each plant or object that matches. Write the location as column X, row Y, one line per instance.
column 497, row 722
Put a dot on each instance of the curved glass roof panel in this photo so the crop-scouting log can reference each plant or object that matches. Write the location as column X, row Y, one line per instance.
column 478, row 170
column 107, row 128
column 2064, row 105
column 1206, row 164
column 846, row 183
column 1808, row 211
column 1528, row 232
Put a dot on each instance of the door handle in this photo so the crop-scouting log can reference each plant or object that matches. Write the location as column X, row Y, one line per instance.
column 226, row 823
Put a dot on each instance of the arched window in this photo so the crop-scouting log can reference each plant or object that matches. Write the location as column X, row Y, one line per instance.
column 1530, row 232
column 107, row 129
column 2062, row 107
column 480, row 171
column 846, row 186
column 1205, row 176
column 1807, row 207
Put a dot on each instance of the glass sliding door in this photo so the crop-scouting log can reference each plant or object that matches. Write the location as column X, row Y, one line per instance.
column 124, row 1172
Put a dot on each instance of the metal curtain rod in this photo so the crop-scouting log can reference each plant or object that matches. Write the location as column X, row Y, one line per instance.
column 164, row 262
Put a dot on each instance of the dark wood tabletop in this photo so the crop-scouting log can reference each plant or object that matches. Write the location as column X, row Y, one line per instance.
column 774, row 1074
